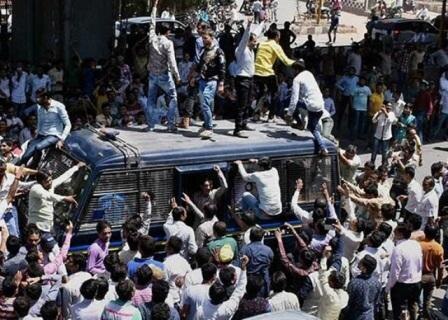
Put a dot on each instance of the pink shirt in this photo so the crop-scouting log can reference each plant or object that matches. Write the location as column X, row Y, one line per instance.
column 142, row 296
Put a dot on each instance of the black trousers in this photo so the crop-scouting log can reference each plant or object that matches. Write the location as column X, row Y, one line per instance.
column 405, row 296
column 267, row 85
column 190, row 101
column 243, row 86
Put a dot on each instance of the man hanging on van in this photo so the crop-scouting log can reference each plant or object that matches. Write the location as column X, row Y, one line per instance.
column 267, row 181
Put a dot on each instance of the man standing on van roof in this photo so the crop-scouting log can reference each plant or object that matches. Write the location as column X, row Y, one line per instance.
column 269, row 201
column 162, row 67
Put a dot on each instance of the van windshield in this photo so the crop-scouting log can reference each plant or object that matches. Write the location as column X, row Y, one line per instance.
column 58, row 162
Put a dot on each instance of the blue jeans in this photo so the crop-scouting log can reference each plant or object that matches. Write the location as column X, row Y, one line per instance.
column 380, row 146
column 166, row 83
column 443, row 118
column 207, row 91
column 357, row 129
column 38, row 144
column 420, row 119
column 12, row 221
column 313, row 126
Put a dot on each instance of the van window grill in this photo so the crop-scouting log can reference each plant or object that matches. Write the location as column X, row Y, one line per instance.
column 117, row 196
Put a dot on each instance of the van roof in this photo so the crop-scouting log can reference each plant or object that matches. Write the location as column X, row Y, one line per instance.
column 159, row 148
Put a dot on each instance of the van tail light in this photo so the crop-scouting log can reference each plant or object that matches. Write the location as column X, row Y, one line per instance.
column 396, row 33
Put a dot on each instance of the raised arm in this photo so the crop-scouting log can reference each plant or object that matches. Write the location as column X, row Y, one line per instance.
column 147, row 214
column 303, row 215
column 222, row 181
column 282, row 56
column 53, row 266
column 67, row 175
column 152, row 21
column 246, row 176
column 244, row 41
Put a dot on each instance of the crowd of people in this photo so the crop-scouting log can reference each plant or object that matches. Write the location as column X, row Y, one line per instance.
column 380, row 255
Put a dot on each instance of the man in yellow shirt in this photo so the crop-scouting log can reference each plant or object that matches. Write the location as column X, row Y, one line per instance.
column 376, row 100
column 265, row 78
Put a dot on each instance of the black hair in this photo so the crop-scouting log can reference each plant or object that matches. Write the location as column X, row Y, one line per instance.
column 254, row 285
column 202, row 256
column 175, row 244
column 307, row 257
column 143, row 276
column 32, row 229
column 21, row 306
column 79, row 259
column 220, row 229
column 102, row 288
column 49, row 311
column 414, row 221
column 369, row 263
column 352, row 148
column 119, row 272
column 102, row 225
column 431, row 232
column 42, row 176
column 410, row 171
column 369, row 165
column 163, row 30
column 388, row 211
column 177, row 213
column 436, row 167
column 256, row 234
column 35, row 270
column 33, row 291
column 376, row 239
column 9, row 287
column 210, row 210
column 227, row 275
column 160, row 311
column 110, row 261
column 337, row 279
column 133, row 240
column 279, row 281
column 265, row 163
column 208, row 271
column 385, row 228
column 272, row 34
column 371, row 190
column 146, row 246
column 160, row 289
column 89, row 289
column 217, row 293
column 430, row 180
column 403, row 229
column 32, row 256
column 13, row 245
column 125, row 290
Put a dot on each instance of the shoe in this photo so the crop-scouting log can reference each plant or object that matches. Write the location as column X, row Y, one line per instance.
column 201, row 129
column 240, row 134
column 171, row 129
column 148, row 129
column 247, row 128
column 206, row 134
column 184, row 123
column 323, row 152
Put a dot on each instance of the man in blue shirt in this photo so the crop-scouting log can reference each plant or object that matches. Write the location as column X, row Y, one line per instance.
column 346, row 85
column 53, row 125
column 146, row 247
column 260, row 258
column 360, row 103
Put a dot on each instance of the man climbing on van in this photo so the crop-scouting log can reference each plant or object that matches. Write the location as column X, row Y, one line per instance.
column 268, row 203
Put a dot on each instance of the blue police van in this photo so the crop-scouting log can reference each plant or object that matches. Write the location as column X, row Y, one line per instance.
column 126, row 162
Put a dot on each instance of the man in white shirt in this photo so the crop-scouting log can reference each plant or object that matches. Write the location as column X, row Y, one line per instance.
column 89, row 308
column 281, row 300
column 244, row 72
column 405, row 273
column 175, row 226
column 19, row 82
column 306, row 94
column 414, row 190
column 196, row 295
column 42, row 198
column 349, row 163
column 428, row 207
column 219, row 306
column 176, row 267
column 442, row 125
column 257, row 6
column 267, row 181
column 383, row 133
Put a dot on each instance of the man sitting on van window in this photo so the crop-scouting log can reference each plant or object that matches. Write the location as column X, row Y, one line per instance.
column 42, row 198
column 269, row 201
column 207, row 193
column 53, row 125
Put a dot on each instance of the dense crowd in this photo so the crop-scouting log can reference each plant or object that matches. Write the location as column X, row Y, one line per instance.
column 380, row 255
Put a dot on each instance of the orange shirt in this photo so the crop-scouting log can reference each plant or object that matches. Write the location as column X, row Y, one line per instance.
column 432, row 255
